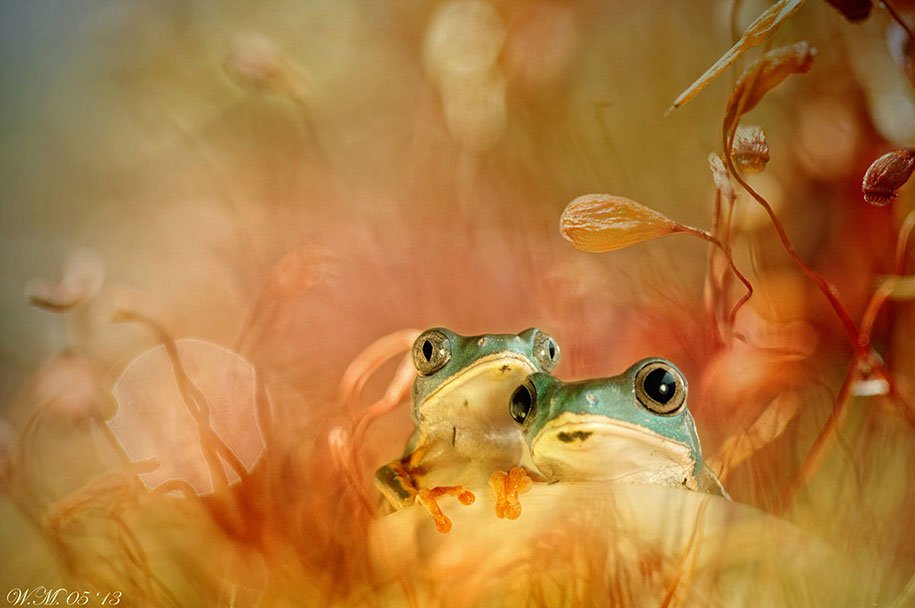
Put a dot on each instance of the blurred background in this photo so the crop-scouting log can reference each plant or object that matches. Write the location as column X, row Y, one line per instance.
column 291, row 181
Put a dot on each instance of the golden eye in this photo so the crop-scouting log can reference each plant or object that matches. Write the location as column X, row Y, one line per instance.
column 522, row 403
column 546, row 351
column 431, row 351
column 660, row 388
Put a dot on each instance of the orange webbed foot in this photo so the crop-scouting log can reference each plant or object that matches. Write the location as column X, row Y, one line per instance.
column 506, row 488
column 428, row 499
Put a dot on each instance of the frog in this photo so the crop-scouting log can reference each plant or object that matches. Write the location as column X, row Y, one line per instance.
column 633, row 427
column 463, row 437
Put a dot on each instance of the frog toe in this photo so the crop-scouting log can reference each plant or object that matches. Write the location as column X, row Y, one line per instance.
column 428, row 499
column 506, row 488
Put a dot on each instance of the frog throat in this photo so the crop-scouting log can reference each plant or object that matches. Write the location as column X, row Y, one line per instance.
column 588, row 447
column 478, row 395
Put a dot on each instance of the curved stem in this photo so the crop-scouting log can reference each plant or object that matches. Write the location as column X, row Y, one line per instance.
column 702, row 234
column 197, row 405
column 824, row 439
column 877, row 300
column 828, row 289
column 902, row 242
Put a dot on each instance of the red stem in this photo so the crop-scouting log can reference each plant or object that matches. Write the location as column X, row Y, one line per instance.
column 727, row 253
column 828, row 289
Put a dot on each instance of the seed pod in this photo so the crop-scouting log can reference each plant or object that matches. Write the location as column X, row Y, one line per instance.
column 750, row 150
column 853, row 10
column 764, row 75
column 886, row 175
column 601, row 222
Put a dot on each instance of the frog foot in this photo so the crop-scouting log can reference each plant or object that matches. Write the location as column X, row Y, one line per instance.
column 428, row 499
column 506, row 487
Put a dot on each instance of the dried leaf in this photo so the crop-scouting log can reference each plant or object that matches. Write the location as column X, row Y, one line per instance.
column 601, row 222
column 764, row 75
column 750, row 150
column 853, row 10
column 886, row 175
column 758, row 32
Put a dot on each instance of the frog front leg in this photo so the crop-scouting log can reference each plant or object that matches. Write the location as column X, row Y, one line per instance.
column 507, row 488
column 398, row 482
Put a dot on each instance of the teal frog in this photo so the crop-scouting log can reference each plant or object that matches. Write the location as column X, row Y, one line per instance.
column 634, row 427
column 464, row 436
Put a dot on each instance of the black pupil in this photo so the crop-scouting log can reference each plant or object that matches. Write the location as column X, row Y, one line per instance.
column 521, row 403
column 552, row 348
column 427, row 350
column 660, row 385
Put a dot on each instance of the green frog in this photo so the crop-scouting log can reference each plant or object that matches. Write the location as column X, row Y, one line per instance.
column 464, row 437
column 634, row 427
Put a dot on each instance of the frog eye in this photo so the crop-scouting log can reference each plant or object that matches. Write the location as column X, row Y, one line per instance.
column 546, row 351
column 431, row 351
column 521, row 403
column 660, row 387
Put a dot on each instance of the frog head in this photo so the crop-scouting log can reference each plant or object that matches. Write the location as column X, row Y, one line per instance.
column 631, row 427
column 463, row 382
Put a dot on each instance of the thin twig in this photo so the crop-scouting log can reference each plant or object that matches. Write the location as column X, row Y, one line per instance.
column 827, row 288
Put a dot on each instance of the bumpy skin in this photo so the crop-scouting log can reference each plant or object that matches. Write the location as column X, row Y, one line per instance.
column 598, row 429
column 463, row 431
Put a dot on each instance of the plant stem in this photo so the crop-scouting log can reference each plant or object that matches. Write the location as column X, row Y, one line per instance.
column 824, row 439
column 702, row 234
column 828, row 289
column 902, row 242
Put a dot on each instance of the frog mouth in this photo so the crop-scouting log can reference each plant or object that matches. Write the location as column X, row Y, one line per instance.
column 585, row 447
column 477, row 398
